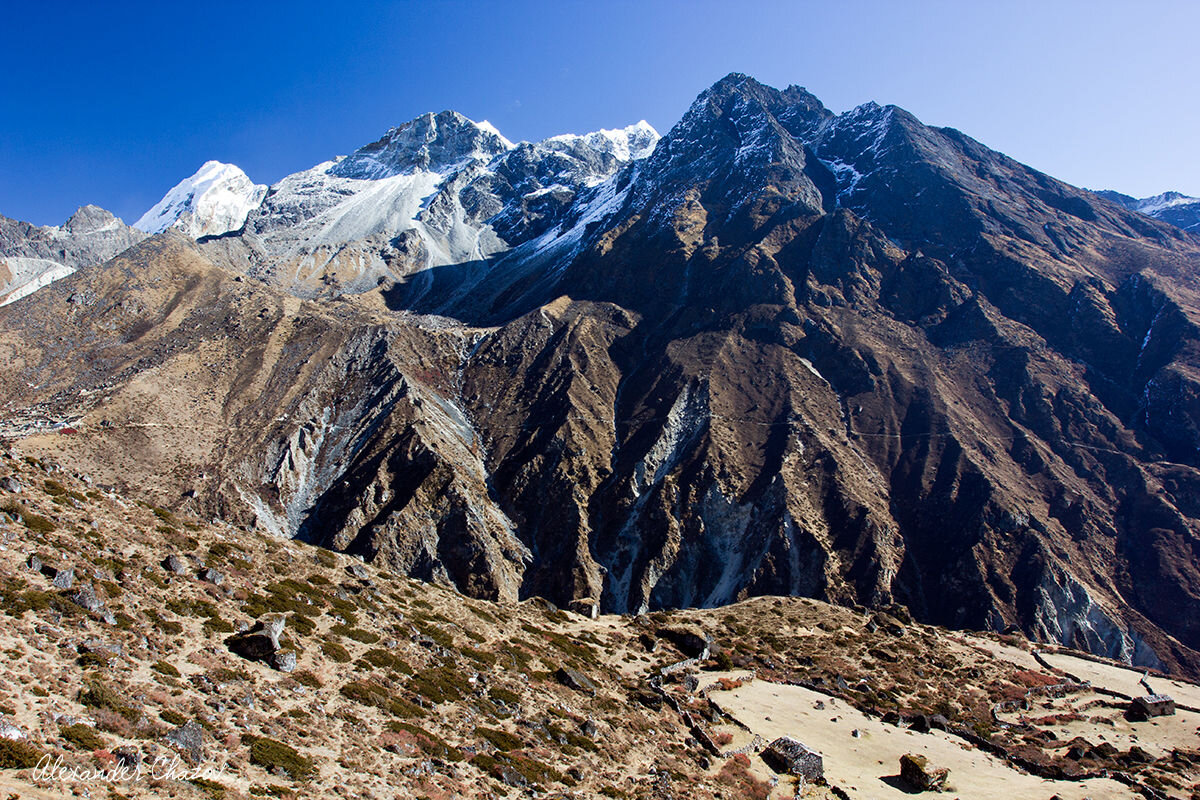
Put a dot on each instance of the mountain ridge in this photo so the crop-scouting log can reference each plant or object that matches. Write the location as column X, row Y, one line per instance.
column 744, row 363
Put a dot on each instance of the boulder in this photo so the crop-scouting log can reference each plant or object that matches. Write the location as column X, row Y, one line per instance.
column 261, row 642
column 189, row 740
column 574, row 679
column 356, row 570
column 11, row 484
column 916, row 771
column 34, row 563
column 212, row 576
column 174, row 564
column 793, row 757
column 64, row 578
column 86, row 598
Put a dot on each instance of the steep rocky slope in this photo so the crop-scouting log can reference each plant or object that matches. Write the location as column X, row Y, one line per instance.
column 783, row 351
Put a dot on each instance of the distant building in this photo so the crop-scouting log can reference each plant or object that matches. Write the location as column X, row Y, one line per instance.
column 786, row 754
column 1151, row 705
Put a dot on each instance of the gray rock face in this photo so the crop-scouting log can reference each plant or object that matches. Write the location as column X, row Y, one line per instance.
column 189, row 740
column 87, row 598
column 261, row 642
column 174, row 564
column 11, row 484
column 28, row 252
column 793, row 757
column 64, row 578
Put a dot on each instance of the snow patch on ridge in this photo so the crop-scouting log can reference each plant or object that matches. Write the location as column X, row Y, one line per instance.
column 27, row 276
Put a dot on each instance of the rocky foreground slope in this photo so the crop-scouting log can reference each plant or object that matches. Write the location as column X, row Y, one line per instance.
column 777, row 351
column 160, row 655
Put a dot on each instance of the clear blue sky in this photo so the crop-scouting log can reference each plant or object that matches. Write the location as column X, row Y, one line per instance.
column 113, row 103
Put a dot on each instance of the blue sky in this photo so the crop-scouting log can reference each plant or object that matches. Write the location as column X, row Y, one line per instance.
column 113, row 103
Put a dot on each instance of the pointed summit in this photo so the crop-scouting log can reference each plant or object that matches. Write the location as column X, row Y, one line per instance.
column 211, row 202
column 429, row 143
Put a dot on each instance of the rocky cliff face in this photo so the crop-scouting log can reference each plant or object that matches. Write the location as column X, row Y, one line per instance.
column 34, row 256
column 781, row 352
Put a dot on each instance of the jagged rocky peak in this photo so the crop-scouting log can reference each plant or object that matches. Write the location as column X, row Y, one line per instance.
column 214, row 200
column 737, row 139
column 89, row 219
column 429, row 143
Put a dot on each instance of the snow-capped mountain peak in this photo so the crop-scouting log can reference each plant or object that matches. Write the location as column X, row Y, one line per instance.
column 213, row 201
column 437, row 143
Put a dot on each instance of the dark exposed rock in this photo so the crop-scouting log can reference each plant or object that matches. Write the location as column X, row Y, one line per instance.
column 357, row 570
column 574, row 679
column 916, row 771
column 174, row 564
column 840, row 392
column 189, row 740
column 793, row 757
column 86, row 598
column 11, row 484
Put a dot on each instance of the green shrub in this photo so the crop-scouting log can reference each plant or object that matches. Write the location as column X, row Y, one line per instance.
column 336, row 652
column 306, row 678
column 83, row 736
column 501, row 740
column 97, row 694
column 357, row 634
column 18, row 755
column 172, row 716
column 271, row 754
column 506, row 696
column 163, row 668
column 429, row 743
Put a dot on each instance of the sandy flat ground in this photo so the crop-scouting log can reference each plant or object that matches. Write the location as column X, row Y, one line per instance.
column 1123, row 679
column 867, row 766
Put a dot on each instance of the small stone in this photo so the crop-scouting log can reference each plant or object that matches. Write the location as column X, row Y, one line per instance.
column 284, row 661
column 34, row 563
column 356, row 570
column 212, row 576
column 11, row 484
column 590, row 729
column 64, row 578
